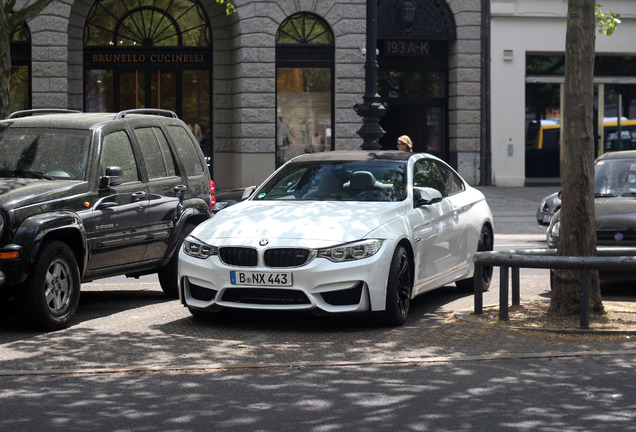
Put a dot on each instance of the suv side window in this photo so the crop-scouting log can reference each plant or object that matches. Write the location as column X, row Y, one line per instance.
column 117, row 151
column 187, row 151
column 156, row 152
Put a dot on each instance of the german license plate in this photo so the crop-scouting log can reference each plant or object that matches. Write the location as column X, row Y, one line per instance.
column 260, row 279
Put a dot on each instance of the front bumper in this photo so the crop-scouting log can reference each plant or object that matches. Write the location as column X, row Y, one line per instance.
column 345, row 287
column 11, row 271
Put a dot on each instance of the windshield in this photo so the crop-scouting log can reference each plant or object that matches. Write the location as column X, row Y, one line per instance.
column 373, row 180
column 615, row 177
column 54, row 153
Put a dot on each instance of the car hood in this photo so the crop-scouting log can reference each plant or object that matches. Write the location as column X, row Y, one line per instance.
column 294, row 223
column 21, row 192
column 615, row 213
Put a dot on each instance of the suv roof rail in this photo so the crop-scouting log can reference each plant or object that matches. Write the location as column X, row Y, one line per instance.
column 41, row 111
column 122, row 114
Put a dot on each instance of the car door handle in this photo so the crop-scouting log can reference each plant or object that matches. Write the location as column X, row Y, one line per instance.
column 136, row 196
column 180, row 189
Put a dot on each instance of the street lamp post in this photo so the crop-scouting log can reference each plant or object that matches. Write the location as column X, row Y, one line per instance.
column 371, row 109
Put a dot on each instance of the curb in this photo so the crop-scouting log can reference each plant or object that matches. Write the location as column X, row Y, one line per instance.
column 223, row 367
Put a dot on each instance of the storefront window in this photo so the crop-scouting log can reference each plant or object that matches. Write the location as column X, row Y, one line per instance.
column 19, row 78
column 304, row 87
column 157, row 54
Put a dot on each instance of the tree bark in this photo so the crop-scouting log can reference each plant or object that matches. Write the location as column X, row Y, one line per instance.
column 578, row 233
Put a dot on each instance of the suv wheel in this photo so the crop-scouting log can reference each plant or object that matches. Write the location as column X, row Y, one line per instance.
column 50, row 295
column 168, row 275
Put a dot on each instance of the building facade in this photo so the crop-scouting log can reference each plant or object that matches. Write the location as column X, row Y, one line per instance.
column 526, row 77
column 270, row 81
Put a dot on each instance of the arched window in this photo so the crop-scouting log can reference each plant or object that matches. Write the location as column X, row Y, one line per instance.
column 20, row 77
column 150, row 54
column 304, row 86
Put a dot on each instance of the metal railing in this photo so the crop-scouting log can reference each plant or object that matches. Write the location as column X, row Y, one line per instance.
column 606, row 259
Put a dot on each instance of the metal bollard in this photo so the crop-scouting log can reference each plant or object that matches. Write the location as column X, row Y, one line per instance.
column 479, row 291
column 503, row 293
column 584, row 317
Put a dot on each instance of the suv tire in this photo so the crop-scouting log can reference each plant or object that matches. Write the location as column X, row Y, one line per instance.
column 168, row 275
column 50, row 295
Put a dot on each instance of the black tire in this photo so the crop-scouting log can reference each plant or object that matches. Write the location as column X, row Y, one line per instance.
column 486, row 243
column 398, row 289
column 168, row 275
column 50, row 295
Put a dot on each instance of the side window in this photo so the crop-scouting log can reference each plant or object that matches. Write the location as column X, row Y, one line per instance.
column 427, row 174
column 188, row 153
column 156, row 152
column 452, row 182
column 117, row 151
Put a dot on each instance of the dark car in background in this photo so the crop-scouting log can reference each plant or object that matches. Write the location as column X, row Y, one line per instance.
column 85, row 196
column 614, row 203
column 548, row 207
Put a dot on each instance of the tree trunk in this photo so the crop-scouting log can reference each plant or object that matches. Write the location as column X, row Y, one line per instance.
column 5, row 64
column 578, row 233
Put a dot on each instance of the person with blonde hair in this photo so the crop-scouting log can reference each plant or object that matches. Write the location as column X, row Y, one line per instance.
column 404, row 143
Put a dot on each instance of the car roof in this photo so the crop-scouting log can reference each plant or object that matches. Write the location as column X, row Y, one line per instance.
column 78, row 120
column 64, row 121
column 354, row 155
column 626, row 154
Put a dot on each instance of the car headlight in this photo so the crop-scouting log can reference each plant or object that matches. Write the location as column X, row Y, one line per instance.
column 351, row 251
column 198, row 249
column 1, row 224
column 554, row 230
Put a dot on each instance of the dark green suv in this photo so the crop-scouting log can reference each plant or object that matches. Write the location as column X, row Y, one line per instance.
column 85, row 196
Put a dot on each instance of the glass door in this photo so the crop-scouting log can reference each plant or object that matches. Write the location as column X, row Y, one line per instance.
column 139, row 89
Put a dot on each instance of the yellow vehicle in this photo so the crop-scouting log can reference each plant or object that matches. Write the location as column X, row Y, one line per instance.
column 542, row 148
column 543, row 139
column 543, row 134
column 611, row 141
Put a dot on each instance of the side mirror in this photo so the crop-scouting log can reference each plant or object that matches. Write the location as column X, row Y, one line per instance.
column 426, row 196
column 114, row 177
column 248, row 192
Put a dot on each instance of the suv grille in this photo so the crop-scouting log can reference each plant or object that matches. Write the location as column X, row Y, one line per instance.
column 239, row 256
column 287, row 257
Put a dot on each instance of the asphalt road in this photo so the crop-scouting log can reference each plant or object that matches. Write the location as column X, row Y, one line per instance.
column 543, row 394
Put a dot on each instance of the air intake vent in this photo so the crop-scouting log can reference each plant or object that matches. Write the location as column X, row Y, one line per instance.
column 239, row 256
column 286, row 257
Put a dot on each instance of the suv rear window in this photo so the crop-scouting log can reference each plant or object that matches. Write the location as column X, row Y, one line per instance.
column 61, row 153
column 189, row 156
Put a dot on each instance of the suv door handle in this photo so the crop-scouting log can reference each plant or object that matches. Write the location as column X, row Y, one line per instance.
column 136, row 196
column 180, row 189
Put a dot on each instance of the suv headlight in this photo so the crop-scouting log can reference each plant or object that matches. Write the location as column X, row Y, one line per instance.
column 198, row 249
column 351, row 251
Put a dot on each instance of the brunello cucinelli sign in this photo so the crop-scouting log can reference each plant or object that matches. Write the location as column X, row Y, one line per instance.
column 107, row 58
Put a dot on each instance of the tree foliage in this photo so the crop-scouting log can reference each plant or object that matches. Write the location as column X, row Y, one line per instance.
column 607, row 21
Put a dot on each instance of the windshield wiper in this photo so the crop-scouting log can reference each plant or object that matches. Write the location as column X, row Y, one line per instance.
column 25, row 174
